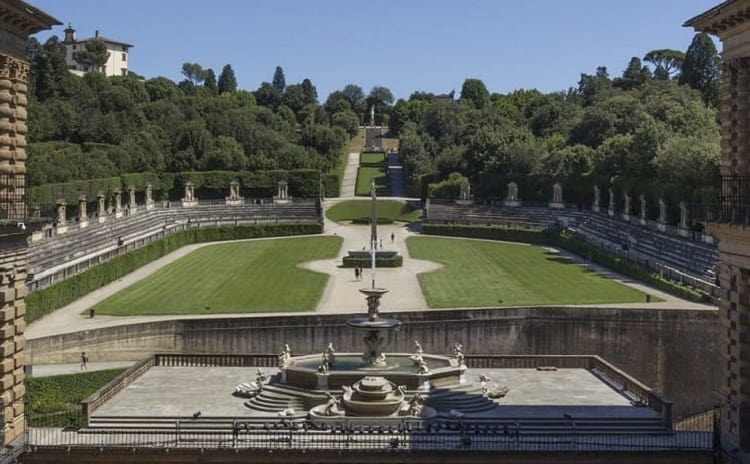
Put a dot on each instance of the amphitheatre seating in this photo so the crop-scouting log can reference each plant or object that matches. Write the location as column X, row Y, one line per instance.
column 687, row 256
column 528, row 217
column 66, row 251
column 656, row 249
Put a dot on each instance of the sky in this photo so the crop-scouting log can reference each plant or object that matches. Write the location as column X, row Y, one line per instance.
column 425, row 45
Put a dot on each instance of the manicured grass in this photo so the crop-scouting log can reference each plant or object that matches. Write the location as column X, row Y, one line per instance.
column 365, row 176
column 239, row 277
column 358, row 209
column 481, row 274
column 53, row 401
column 372, row 158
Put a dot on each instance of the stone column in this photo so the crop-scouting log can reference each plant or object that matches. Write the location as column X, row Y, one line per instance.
column 626, row 208
column 118, row 204
column 132, row 205
column 682, row 229
column 149, row 197
column 644, row 221
column 101, row 211
column 83, row 217
column 661, row 224
column 61, row 224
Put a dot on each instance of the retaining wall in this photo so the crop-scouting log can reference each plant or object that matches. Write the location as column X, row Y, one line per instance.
column 675, row 352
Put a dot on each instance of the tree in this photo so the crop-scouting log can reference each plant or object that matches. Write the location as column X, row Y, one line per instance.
column 702, row 68
column 475, row 92
column 667, row 63
column 380, row 96
column 311, row 94
column 355, row 96
column 194, row 73
column 634, row 76
column 227, row 82
column 94, row 56
column 279, row 82
column 210, row 81
column 589, row 87
column 266, row 95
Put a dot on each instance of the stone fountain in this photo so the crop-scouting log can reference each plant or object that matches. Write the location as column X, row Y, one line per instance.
column 366, row 387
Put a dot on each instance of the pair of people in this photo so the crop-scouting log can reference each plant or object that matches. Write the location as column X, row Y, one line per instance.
column 358, row 272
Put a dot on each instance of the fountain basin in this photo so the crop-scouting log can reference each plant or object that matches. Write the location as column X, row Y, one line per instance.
column 372, row 396
column 302, row 371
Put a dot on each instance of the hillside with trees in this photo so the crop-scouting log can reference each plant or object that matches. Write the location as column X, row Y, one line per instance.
column 651, row 130
column 98, row 127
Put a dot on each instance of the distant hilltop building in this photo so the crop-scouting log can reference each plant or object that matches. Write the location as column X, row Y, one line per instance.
column 445, row 97
column 117, row 64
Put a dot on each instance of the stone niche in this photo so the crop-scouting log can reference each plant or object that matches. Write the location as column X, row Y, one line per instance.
column 234, row 198
column 189, row 200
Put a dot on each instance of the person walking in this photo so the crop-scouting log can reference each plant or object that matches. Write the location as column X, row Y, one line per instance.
column 393, row 237
column 356, row 272
column 84, row 361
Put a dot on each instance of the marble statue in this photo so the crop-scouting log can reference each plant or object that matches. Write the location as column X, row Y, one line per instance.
column 285, row 356
column 611, row 210
column 333, row 406
column 557, row 197
column 683, row 215
column 422, row 368
column 512, row 191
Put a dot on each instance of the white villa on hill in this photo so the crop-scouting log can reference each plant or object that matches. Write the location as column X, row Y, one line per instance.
column 117, row 64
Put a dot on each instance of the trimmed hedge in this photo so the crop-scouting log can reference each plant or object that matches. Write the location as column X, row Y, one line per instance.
column 366, row 220
column 42, row 302
column 508, row 234
column 396, row 261
column 303, row 183
column 572, row 244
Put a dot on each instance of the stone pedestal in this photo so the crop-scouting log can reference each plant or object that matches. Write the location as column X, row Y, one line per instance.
column 661, row 226
column 149, row 203
column 556, row 205
column 683, row 232
column 118, row 204
column 512, row 203
column 464, row 202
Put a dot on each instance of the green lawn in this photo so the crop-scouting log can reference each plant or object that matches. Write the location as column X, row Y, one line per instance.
column 239, row 277
column 480, row 274
column 358, row 209
column 372, row 158
column 365, row 175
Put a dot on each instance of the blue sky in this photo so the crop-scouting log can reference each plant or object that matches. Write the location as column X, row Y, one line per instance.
column 430, row 45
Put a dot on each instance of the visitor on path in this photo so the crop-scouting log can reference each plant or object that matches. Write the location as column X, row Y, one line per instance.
column 84, row 361
column 381, row 243
column 393, row 237
column 360, row 272
column 356, row 273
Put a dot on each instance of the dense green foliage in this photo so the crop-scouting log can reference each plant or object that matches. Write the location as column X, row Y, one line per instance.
column 97, row 126
column 238, row 277
column 354, row 210
column 303, row 183
column 641, row 132
column 479, row 273
column 55, row 401
column 572, row 244
column 42, row 302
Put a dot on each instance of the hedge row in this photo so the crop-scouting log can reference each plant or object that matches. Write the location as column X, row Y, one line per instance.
column 572, row 244
column 366, row 220
column 42, row 302
column 509, row 234
column 303, row 183
column 396, row 261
